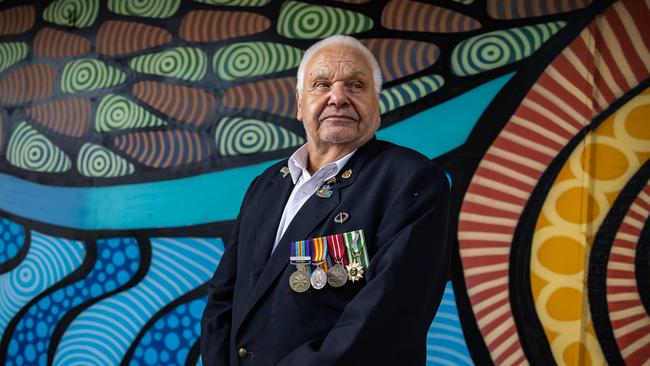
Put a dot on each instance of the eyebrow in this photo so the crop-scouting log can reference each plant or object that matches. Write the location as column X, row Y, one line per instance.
column 320, row 74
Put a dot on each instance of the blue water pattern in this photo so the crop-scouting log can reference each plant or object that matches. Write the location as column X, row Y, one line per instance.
column 12, row 239
column 103, row 333
column 169, row 340
column 192, row 201
column 117, row 261
column 445, row 340
column 47, row 262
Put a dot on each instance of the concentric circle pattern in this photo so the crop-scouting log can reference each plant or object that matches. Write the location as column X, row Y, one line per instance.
column 31, row 150
column 98, row 161
column 145, row 8
column 89, row 74
column 248, row 59
column 408, row 92
column 116, row 112
column 48, row 261
column 304, row 21
column 235, row 136
column 72, row 13
column 11, row 53
column 184, row 63
column 495, row 49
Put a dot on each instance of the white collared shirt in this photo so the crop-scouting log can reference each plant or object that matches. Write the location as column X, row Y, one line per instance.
column 305, row 185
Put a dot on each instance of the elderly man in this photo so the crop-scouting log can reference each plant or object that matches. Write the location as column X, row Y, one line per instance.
column 339, row 254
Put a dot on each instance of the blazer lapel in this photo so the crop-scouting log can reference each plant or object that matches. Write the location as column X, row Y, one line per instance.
column 275, row 200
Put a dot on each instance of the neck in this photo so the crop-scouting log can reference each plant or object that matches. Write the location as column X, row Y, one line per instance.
column 321, row 155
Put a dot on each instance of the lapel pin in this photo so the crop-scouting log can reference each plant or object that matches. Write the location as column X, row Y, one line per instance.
column 346, row 174
column 331, row 180
column 341, row 217
column 325, row 191
column 284, row 171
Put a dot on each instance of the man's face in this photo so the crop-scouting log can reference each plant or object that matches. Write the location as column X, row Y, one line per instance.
column 338, row 104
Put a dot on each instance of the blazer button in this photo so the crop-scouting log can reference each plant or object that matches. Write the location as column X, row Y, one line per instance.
column 242, row 352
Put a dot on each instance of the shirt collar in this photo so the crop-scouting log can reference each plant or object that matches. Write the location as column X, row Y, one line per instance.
column 298, row 165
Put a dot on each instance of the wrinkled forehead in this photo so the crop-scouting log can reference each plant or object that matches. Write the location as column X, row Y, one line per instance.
column 336, row 60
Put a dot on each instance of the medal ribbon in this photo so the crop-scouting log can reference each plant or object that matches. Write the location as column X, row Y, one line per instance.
column 319, row 251
column 336, row 247
column 356, row 249
column 301, row 254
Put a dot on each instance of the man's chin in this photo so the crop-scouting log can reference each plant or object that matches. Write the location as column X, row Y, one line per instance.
column 339, row 138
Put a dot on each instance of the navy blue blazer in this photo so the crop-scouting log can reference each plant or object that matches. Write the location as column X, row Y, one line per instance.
column 401, row 200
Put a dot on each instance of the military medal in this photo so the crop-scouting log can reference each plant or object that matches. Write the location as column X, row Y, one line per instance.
column 300, row 257
column 318, row 278
column 337, row 276
column 319, row 253
column 357, row 253
column 299, row 280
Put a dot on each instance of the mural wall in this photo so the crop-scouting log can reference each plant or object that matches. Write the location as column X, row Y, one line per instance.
column 130, row 129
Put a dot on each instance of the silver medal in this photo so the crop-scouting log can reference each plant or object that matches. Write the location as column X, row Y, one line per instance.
column 318, row 278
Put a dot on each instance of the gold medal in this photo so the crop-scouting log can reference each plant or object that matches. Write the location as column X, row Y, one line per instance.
column 355, row 271
column 337, row 276
column 299, row 280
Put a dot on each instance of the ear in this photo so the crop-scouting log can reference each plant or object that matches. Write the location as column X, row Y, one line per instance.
column 298, row 106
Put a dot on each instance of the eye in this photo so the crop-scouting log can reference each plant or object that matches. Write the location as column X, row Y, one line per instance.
column 321, row 85
column 356, row 86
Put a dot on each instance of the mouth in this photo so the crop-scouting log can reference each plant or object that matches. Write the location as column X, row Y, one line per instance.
column 339, row 118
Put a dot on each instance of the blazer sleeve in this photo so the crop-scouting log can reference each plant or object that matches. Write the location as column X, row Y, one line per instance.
column 387, row 321
column 216, row 321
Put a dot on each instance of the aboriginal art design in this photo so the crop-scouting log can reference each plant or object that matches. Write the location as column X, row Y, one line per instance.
column 116, row 37
column 304, row 21
column 98, row 161
column 11, row 53
column 184, row 63
column 236, row 136
column 28, row 149
column 248, row 59
column 17, row 19
column 130, row 130
column 145, row 8
column 26, row 84
column 50, row 42
column 88, row 74
column 116, row 112
column 70, row 116
column 74, row 13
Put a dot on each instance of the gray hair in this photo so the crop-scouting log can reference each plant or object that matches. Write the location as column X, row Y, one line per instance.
column 339, row 40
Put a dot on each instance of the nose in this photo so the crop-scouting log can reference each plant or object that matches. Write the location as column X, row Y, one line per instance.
column 338, row 95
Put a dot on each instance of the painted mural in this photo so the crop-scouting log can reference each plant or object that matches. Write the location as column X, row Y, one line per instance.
column 130, row 129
